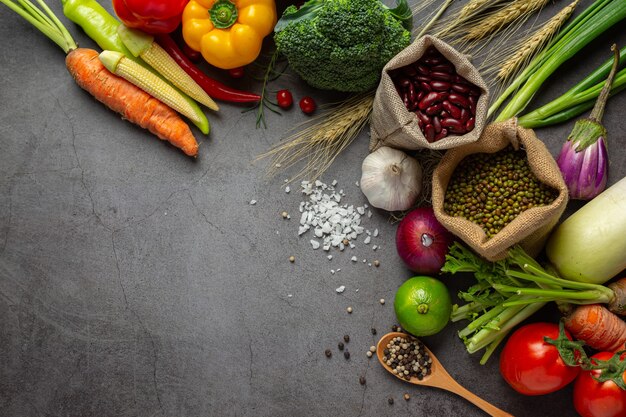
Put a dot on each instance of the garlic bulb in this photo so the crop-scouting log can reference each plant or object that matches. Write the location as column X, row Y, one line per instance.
column 390, row 179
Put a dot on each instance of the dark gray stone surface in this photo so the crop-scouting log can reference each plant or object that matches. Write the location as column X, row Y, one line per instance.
column 135, row 281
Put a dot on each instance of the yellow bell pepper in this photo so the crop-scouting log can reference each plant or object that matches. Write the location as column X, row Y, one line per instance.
column 228, row 33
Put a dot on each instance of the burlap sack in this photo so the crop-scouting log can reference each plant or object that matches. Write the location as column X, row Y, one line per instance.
column 531, row 227
column 393, row 125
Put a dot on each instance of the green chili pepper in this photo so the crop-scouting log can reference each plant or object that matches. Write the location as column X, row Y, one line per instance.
column 97, row 23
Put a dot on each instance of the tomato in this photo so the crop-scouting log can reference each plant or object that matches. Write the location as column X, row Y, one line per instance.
column 284, row 99
column 532, row 366
column 307, row 105
column 599, row 399
column 238, row 72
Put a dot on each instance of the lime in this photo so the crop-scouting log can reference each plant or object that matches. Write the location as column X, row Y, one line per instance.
column 423, row 306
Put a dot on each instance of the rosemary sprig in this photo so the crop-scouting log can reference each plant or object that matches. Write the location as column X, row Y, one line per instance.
column 270, row 73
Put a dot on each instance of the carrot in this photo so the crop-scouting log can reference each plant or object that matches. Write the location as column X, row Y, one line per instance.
column 595, row 325
column 131, row 102
column 116, row 93
column 618, row 303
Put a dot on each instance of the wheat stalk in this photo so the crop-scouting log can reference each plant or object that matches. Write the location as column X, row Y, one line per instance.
column 516, row 10
column 472, row 7
column 527, row 48
column 322, row 139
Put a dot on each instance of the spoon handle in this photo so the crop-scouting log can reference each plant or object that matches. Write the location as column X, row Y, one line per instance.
column 453, row 386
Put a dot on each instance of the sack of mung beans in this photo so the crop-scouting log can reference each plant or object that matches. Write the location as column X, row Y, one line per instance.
column 430, row 96
column 505, row 189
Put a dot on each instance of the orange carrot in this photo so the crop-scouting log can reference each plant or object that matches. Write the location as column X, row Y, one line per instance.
column 597, row 327
column 131, row 102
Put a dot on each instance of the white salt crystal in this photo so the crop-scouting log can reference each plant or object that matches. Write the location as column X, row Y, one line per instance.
column 315, row 244
column 287, row 189
column 367, row 240
column 340, row 289
column 353, row 259
column 375, row 232
column 252, row 202
column 330, row 257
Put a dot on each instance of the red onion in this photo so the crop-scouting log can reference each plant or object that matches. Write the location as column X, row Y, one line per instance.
column 422, row 242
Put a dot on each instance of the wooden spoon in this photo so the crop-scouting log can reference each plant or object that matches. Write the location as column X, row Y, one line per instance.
column 438, row 377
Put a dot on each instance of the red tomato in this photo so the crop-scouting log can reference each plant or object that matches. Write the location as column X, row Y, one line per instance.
column 284, row 99
column 530, row 365
column 238, row 72
column 307, row 105
column 599, row 399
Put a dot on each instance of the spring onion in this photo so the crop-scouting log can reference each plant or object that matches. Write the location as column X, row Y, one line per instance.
column 592, row 22
column 578, row 99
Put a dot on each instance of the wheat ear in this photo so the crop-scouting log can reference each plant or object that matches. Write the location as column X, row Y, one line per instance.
column 494, row 22
column 528, row 47
column 321, row 139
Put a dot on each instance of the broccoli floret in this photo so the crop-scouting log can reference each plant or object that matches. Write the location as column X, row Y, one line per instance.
column 341, row 44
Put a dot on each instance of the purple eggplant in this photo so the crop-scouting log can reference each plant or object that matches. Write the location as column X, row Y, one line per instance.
column 583, row 159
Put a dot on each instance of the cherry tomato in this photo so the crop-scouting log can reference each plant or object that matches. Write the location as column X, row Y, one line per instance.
column 599, row 399
column 307, row 105
column 530, row 365
column 284, row 99
column 238, row 72
column 192, row 54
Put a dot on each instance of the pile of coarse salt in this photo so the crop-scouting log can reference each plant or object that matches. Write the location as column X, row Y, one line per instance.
column 333, row 224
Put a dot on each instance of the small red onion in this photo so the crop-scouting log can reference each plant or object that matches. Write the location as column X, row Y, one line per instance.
column 422, row 242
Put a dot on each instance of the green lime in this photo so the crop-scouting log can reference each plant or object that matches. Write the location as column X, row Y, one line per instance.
column 423, row 306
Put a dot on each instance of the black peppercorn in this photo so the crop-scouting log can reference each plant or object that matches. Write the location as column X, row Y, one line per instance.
column 340, row 346
column 346, row 354
column 328, row 353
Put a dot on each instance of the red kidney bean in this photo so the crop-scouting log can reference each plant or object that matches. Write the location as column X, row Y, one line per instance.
column 405, row 100
column 420, row 124
column 425, row 87
column 433, row 110
column 459, row 100
column 444, row 114
column 453, row 110
column 460, row 88
column 453, row 125
column 441, row 76
column 441, row 135
column 411, row 93
column 473, row 101
column 460, row 80
column 465, row 115
column 423, row 78
column 422, row 69
column 431, row 98
column 420, row 96
column 469, row 125
column 433, row 60
column 440, row 85
column 429, row 132
column 404, row 82
column 436, row 124
column 422, row 117
column 449, row 68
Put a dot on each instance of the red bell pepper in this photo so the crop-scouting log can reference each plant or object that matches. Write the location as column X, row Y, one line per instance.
column 150, row 16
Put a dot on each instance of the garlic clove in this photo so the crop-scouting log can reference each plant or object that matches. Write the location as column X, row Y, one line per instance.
column 390, row 179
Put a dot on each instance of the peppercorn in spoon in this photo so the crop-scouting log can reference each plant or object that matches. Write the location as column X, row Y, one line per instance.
column 409, row 359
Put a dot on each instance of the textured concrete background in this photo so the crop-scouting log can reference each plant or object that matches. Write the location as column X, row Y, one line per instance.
column 135, row 281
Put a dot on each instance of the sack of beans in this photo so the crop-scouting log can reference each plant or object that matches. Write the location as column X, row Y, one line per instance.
column 505, row 189
column 430, row 96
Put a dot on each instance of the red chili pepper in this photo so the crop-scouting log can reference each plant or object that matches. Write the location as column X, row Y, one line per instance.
column 213, row 88
column 149, row 15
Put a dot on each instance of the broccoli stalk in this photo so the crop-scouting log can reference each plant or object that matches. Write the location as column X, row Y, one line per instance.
column 342, row 44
